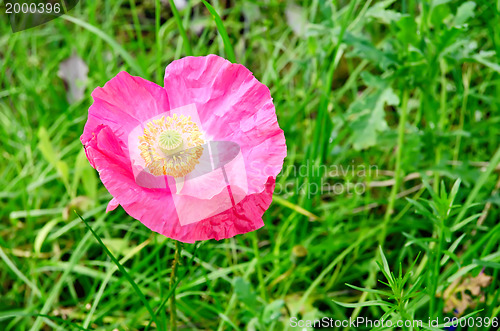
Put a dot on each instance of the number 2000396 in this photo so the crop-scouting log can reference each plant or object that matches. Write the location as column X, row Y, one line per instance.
column 32, row 8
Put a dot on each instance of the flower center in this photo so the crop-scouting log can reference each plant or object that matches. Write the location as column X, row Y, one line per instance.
column 171, row 145
column 170, row 142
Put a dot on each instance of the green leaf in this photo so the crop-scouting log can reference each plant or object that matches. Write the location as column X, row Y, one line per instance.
column 452, row 248
column 409, row 272
column 466, row 221
column 45, row 146
column 421, row 242
column 480, row 58
column 464, row 12
column 386, row 270
column 453, row 256
column 364, row 49
column 245, row 293
column 369, row 290
column 453, row 193
column 49, row 153
column 430, row 189
column 42, row 234
column 87, row 175
column 421, row 209
column 272, row 311
column 440, row 14
column 367, row 117
column 436, row 3
column 374, row 81
column 118, row 246
column 407, row 33
column 364, row 304
column 412, row 292
column 379, row 11
column 63, row 170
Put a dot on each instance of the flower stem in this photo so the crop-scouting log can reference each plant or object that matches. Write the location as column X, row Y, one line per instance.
column 173, row 309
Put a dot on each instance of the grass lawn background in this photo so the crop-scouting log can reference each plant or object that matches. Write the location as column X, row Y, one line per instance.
column 391, row 114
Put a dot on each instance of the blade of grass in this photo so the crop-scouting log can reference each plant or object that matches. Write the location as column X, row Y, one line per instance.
column 185, row 39
column 19, row 274
column 294, row 207
column 137, row 26
column 369, row 290
column 117, row 47
column 21, row 313
column 223, row 33
column 488, row 264
column 363, row 304
column 159, row 44
column 122, row 270
column 495, row 160
column 338, row 259
column 104, row 283
column 398, row 170
column 75, row 257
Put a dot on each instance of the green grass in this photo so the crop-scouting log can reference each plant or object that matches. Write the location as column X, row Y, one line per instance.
column 407, row 87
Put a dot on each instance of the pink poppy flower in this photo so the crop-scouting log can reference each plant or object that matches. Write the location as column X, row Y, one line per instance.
column 194, row 160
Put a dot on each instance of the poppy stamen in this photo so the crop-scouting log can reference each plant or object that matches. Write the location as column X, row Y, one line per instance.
column 171, row 145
